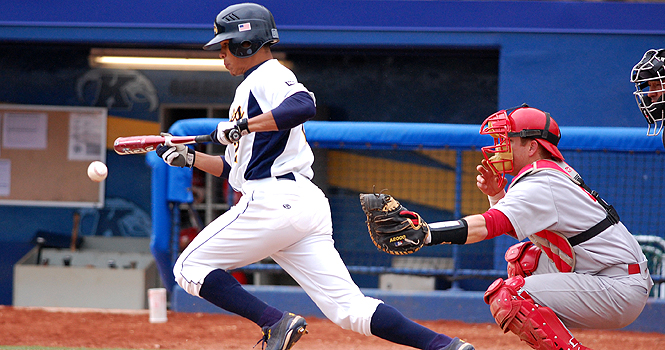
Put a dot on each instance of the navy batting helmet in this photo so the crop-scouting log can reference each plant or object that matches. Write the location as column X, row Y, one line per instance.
column 247, row 26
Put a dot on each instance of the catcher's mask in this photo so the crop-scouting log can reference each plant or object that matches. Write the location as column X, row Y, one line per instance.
column 649, row 78
column 524, row 122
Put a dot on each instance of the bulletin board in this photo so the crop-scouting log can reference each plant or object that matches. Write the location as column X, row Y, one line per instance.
column 45, row 152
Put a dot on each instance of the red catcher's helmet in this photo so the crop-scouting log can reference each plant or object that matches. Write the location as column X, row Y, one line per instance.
column 524, row 122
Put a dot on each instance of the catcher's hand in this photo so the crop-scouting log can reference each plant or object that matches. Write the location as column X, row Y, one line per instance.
column 393, row 229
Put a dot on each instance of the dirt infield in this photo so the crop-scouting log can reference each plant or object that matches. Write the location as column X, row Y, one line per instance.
column 131, row 329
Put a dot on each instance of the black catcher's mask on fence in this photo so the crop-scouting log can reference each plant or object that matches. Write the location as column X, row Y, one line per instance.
column 648, row 75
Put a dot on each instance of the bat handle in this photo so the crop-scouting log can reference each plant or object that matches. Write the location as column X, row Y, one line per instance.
column 203, row 139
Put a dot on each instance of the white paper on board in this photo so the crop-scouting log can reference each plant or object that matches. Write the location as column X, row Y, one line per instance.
column 5, row 176
column 85, row 136
column 25, row 130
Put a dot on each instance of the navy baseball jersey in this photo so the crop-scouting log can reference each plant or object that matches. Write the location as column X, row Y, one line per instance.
column 267, row 154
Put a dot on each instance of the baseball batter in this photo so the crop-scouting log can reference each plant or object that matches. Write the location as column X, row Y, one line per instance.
column 281, row 213
column 648, row 75
column 580, row 267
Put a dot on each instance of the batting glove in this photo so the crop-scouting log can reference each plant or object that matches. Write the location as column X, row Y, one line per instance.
column 230, row 132
column 176, row 155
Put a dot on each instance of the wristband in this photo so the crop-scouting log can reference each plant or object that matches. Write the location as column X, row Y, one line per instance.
column 496, row 198
column 190, row 158
column 449, row 232
column 243, row 126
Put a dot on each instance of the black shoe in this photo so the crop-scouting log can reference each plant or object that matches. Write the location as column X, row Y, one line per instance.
column 286, row 332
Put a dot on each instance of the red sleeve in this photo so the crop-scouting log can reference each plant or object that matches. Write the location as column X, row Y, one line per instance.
column 497, row 223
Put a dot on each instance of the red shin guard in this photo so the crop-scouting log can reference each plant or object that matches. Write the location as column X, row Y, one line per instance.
column 514, row 310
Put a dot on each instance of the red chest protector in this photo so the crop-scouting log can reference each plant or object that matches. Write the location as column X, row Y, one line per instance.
column 555, row 245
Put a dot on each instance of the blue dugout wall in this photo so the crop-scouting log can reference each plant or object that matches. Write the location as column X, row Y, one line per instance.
column 571, row 58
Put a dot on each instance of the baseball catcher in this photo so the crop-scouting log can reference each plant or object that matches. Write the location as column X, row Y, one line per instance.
column 577, row 245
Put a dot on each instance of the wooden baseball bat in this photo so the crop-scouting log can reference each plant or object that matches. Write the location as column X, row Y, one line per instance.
column 147, row 143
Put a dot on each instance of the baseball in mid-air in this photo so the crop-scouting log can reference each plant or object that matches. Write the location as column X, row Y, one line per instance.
column 97, row 171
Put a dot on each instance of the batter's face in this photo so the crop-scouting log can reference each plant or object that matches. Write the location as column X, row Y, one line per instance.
column 236, row 66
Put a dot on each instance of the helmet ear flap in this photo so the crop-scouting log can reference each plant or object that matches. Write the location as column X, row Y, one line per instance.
column 243, row 48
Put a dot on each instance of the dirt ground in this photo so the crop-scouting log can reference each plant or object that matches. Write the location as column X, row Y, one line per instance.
column 132, row 329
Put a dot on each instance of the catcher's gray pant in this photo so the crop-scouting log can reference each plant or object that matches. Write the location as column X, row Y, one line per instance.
column 589, row 301
column 290, row 222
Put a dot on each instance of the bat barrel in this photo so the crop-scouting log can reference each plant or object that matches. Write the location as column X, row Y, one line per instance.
column 137, row 144
column 144, row 144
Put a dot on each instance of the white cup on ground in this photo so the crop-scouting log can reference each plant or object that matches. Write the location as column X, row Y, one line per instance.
column 157, row 305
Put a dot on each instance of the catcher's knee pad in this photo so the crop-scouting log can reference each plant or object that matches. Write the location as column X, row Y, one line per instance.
column 522, row 259
column 514, row 310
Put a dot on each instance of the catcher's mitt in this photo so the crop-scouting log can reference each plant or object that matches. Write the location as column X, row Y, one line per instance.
column 393, row 229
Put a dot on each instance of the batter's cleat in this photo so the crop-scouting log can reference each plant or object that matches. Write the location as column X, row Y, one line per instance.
column 283, row 334
column 458, row 344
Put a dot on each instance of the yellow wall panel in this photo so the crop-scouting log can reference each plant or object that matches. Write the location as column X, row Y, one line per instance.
column 120, row 127
column 417, row 183
column 442, row 156
column 420, row 184
column 474, row 201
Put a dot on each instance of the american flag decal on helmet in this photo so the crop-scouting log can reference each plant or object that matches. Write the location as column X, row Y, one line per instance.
column 244, row 27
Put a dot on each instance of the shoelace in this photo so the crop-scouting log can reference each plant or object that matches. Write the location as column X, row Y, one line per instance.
column 264, row 340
